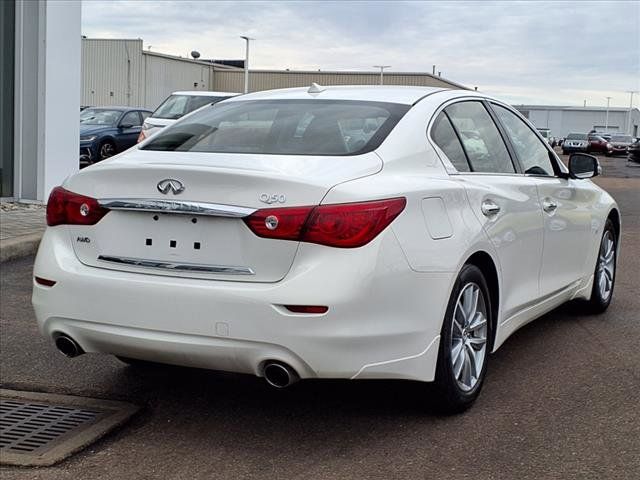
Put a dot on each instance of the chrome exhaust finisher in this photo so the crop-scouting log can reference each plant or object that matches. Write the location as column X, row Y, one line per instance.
column 280, row 375
column 68, row 346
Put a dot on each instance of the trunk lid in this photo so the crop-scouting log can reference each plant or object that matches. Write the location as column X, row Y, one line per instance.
column 194, row 245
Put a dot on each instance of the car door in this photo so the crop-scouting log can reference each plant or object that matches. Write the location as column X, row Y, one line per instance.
column 128, row 130
column 504, row 200
column 565, row 204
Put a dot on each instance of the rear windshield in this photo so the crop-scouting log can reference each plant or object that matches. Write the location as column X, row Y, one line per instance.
column 177, row 106
column 577, row 136
column 621, row 138
column 283, row 127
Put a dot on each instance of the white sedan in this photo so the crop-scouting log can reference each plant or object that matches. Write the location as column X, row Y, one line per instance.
column 338, row 232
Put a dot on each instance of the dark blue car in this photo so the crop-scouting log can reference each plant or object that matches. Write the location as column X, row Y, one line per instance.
column 105, row 131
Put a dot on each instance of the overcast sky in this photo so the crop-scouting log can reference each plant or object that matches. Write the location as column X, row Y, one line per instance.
column 522, row 52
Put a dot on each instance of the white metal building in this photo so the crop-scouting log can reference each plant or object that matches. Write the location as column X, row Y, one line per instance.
column 121, row 72
column 564, row 120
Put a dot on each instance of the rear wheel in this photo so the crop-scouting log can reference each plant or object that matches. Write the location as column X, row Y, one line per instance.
column 462, row 357
column 604, row 276
column 107, row 149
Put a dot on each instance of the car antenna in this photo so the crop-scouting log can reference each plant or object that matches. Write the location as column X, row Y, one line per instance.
column 315, row 88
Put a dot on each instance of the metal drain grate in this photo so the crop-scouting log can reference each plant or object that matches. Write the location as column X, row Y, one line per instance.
column 42, row 429
column 30, row 427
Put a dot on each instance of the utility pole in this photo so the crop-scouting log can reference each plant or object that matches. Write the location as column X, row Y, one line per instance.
column 630, row 92
column 381, row 67
column 246, row 63
column 606, row 122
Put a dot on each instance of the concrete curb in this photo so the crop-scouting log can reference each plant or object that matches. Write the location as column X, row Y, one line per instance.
column 18, row 247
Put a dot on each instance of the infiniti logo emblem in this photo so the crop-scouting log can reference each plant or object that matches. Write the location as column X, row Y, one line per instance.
column 170, row 185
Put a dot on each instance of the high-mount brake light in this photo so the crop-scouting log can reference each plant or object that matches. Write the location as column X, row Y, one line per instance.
column 68, row 208
column 346, row 225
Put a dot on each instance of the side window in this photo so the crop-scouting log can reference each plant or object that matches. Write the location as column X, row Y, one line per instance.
column 131, row 118
column 144, row 115
column 445, row 137
column 532, row 153
column 480, row 138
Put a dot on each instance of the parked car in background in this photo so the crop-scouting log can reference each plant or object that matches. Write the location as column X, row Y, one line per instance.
column 634, row 151
column 575, row 142
column 546, row 134
column 105, row 131
column 177, row 105
column 331, row 232
column 598, row 144
column 620, row 144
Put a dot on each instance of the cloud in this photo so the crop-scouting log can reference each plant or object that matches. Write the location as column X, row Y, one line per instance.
column 524, row 52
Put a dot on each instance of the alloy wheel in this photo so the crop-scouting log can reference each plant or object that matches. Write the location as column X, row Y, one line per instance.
column 469, row 336
column 107, row 150
column 606, row 265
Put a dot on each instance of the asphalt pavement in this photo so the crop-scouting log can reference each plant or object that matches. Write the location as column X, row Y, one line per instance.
column 561, row 400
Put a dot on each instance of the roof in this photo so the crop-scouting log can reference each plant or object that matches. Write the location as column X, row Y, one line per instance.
column 205, row 93
column 117, row 107
column 572, row 108
column 386, row 93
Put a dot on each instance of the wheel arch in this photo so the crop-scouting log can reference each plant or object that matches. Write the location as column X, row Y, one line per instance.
column 614, row 216
column 487, row 266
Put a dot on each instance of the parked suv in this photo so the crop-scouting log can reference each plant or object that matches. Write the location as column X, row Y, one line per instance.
column 177, row 105
column 575, row 142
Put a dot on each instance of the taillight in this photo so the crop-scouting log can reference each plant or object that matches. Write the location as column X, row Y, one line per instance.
column 347, row 225
column 141, row 137
column 68, row 208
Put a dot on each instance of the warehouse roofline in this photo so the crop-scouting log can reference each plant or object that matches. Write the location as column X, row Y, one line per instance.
column 574, row 108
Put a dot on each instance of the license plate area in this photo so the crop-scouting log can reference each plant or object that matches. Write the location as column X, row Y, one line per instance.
column 195, row 246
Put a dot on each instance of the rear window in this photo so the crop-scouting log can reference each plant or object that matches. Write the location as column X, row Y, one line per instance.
column 577, row 136
column 177, row 106
column 283, row 127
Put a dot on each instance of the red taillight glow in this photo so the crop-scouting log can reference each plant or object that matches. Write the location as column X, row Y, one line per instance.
column 141, row 137
column 347, row 225
column 68, row 208
column 317, row 309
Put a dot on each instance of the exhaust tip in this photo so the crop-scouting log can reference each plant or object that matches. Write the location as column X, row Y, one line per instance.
column 279, row 375
column 67, row 346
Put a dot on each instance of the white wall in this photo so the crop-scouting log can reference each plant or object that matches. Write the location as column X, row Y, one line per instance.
column 47, row 96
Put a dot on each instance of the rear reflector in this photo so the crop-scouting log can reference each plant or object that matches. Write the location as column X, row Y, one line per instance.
column 306, row 308
column 68, row 208
column 346, row 225
column 45, row 282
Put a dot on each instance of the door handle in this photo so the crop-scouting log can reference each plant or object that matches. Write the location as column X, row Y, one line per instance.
column 549, row 205
column 490, row 208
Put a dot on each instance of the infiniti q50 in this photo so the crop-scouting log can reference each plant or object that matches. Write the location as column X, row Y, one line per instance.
column 338, row 232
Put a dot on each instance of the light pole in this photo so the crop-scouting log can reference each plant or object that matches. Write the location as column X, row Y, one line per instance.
column 606, row 121
column 630, row 92
column 381, row 67
column 246, row 63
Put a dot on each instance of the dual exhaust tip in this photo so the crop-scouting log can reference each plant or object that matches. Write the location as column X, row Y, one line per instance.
column 277, row 374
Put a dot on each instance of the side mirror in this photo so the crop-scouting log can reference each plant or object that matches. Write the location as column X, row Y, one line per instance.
column 582, row 165
column 126, row 125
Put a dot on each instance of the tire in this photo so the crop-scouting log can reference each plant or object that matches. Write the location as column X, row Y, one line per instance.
column 604, row 276
column 106, row 149
column 458, row 379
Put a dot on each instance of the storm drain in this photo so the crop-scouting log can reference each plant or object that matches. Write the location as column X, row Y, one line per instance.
column 42, row 429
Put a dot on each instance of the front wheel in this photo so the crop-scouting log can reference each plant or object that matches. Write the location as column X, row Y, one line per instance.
column 604, row 276
column 464, row 342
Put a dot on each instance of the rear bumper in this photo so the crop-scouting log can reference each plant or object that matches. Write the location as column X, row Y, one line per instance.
column 383, row 321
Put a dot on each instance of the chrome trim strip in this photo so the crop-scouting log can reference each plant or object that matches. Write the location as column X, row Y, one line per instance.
column 176, row 266
column 176, row 206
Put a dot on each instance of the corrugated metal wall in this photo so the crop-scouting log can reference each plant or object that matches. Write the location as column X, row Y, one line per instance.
column 111, row 72
column 233, row 81
column 119, row 72
column 164, row 75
